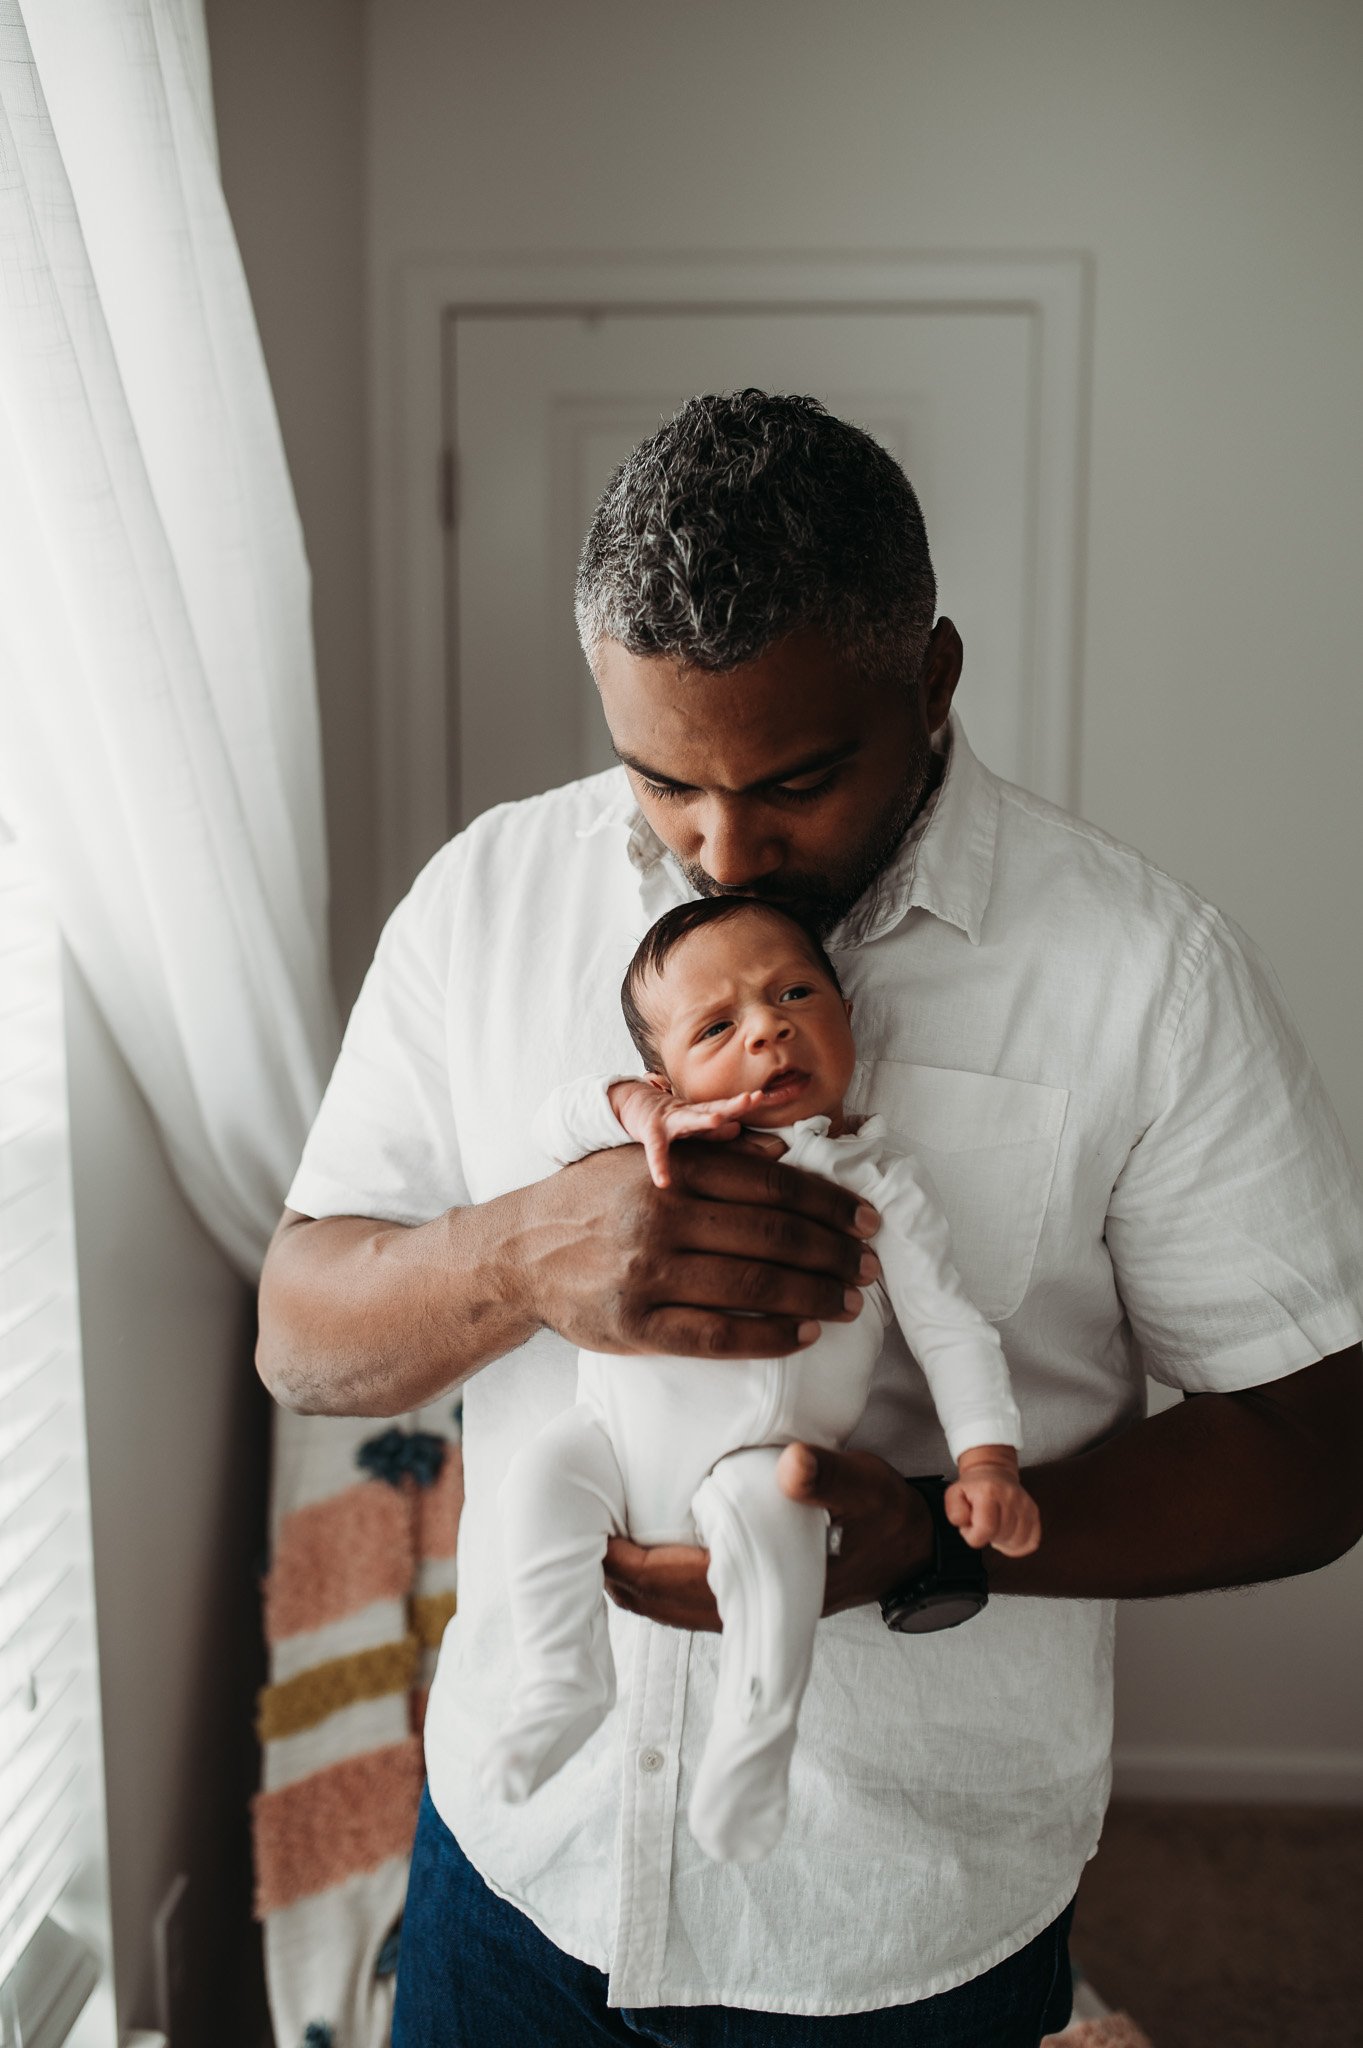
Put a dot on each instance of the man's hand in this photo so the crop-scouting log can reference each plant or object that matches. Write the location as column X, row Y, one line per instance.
column 655, row 1119
column 740, row 1257
column 886, row 1536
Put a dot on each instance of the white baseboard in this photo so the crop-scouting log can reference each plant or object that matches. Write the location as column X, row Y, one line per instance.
column 1267, row 1777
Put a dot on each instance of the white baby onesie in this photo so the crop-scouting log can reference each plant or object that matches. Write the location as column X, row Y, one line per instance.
column 680, row 1450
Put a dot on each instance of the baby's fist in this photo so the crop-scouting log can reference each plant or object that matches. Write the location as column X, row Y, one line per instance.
column 990, row 1506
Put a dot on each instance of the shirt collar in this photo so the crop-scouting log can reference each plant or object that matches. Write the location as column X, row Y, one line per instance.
column 944, row 864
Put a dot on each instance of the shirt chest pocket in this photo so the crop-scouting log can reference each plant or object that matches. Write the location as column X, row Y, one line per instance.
column 990, row 1145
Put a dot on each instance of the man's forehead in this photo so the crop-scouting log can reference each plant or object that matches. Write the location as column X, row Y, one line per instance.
column 793, row 709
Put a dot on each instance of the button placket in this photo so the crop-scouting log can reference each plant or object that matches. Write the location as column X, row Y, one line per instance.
column 648, row 1809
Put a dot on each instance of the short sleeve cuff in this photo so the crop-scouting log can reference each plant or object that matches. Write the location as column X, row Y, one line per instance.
column 312, row 1194
column 1289, row 1349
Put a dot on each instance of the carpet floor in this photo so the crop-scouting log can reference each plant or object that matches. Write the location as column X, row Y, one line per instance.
column 1228, row 1926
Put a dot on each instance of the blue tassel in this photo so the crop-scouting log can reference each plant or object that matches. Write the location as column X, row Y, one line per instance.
column 398, row 1455
column 318, row 2035
column 387, row 1961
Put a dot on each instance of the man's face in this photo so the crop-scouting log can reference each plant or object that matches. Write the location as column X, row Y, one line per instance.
column 791, row 777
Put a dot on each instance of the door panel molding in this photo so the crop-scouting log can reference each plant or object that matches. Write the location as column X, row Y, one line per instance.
column 414, row 487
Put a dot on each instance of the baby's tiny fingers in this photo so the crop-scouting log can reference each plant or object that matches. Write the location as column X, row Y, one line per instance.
column 985, row 1517
column 1020, row 1533
column 956, row 1502
column 655, row 1153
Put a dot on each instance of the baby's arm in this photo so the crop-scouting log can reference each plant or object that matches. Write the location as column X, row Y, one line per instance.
column 613, row 1109
column 962, row 1360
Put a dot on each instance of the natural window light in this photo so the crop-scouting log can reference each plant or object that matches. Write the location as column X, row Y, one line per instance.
column 52, row 1855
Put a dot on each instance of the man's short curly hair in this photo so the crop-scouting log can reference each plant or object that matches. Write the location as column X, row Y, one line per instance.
column 746, row 517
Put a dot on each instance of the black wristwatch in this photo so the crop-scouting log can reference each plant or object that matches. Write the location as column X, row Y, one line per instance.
column 951, row 1589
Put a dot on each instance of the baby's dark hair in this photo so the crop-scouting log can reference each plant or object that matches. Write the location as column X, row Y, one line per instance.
column 662, row 939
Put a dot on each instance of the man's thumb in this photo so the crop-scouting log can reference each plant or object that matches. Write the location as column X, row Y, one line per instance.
column 799, row 1472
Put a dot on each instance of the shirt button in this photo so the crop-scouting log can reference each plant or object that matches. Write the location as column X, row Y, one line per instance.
column 650, row 1759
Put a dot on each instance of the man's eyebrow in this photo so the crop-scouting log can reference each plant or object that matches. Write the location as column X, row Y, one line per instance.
column 827, row 757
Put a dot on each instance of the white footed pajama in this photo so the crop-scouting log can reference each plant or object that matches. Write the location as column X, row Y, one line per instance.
column 680, row 1450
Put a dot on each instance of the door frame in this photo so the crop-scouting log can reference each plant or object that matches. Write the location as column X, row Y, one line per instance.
column 416, row 487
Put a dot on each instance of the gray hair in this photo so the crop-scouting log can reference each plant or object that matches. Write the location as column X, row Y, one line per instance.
column 746, row 517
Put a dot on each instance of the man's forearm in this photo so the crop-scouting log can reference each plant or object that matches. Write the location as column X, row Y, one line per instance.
column 366, row 1318
column 1223, row 1490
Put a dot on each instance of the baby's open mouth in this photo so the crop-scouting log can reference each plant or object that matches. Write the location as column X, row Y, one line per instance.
column 784, row 1084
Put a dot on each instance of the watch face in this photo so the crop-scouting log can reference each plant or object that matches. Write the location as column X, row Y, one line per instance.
column 932, row 1611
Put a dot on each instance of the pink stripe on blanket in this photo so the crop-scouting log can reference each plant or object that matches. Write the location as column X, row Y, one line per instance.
column 438, row 1508
column 337, row 1556
column 320, row 1830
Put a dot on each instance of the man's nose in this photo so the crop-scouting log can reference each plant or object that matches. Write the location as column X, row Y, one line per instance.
column 732, row 852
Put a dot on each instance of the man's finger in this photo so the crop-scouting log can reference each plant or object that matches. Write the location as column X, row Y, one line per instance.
column 752, row 1287
column 706, row 1333
column 740, row 1230
column 735, row 1176
column 844, row 1482
column 665, row 1582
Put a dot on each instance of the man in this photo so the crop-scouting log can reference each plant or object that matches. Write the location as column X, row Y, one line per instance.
column 1141, row 1174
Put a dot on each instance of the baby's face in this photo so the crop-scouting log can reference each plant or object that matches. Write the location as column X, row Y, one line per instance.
column 740, row 1005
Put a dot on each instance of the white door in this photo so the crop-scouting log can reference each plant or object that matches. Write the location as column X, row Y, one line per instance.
column 540, row 409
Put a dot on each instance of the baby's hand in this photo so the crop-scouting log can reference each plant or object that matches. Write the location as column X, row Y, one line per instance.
column 652, row 1115
column 989, row 1504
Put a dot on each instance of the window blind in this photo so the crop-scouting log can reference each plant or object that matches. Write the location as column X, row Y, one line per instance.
column 51, row 1771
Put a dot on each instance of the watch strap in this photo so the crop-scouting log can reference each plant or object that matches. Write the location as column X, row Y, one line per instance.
column 954, row 1581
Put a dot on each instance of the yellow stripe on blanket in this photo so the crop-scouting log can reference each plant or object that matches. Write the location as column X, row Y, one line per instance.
column 431, row 1613
column 301, row 1702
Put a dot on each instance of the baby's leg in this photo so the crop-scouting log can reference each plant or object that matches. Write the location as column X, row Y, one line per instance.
column 767, row 1558
column 561, row 1498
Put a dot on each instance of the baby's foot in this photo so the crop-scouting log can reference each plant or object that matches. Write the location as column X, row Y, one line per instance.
column 738, row 1805
column 547, row 1724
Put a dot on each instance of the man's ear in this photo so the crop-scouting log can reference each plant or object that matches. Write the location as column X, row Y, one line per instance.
column 940, row 673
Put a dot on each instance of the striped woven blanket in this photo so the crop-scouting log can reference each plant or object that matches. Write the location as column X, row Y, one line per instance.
column 359, row 1585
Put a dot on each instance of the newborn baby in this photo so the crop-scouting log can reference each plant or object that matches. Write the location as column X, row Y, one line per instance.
column 740, row 1019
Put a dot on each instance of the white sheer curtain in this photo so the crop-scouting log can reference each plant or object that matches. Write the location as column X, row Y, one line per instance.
column 159, row 748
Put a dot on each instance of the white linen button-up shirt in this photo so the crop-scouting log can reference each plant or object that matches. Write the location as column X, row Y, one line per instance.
column 1141, row 1174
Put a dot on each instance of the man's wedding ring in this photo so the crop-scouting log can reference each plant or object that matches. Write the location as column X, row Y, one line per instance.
column 835, row 1539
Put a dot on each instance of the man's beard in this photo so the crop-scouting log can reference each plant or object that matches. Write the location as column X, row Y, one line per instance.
column 823, row 900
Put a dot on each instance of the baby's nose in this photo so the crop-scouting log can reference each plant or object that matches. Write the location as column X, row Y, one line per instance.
column 769, row 1027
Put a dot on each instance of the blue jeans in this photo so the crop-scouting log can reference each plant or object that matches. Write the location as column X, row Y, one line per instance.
column 475, row 1973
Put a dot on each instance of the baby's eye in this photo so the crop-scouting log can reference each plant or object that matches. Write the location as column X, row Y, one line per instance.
column 796, row 992
column 713, row 1030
